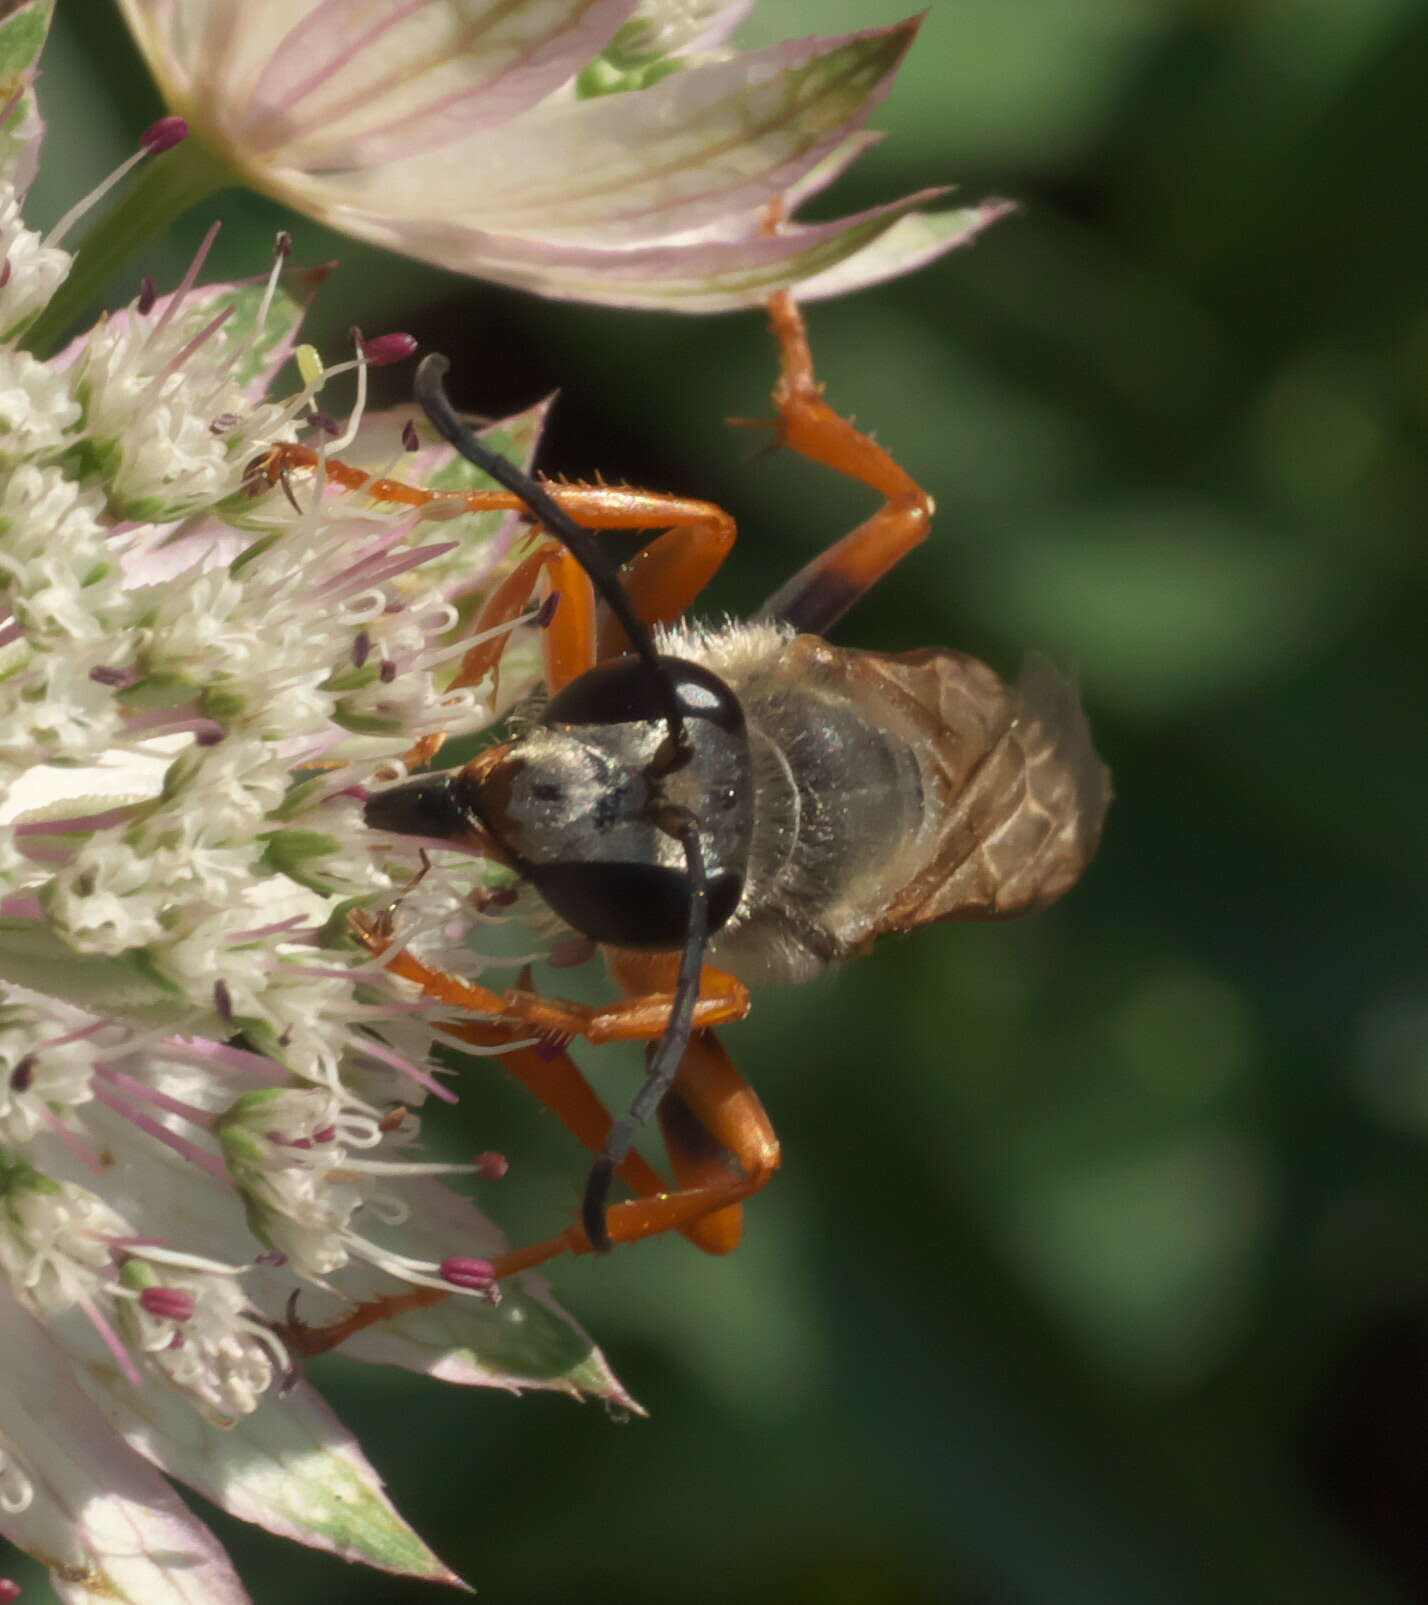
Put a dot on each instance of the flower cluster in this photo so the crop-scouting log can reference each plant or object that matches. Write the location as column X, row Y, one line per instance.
column 207, row 1087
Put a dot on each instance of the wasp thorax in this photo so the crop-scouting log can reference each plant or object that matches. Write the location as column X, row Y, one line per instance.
column 576, row 802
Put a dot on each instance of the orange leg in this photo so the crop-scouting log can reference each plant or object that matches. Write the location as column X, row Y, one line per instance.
column 711, row 1097
column 722, row 998
column 822, row 591
column 699, row 1157
column 661, row 580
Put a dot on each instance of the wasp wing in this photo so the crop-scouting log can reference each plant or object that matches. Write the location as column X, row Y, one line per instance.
column 1016, row 793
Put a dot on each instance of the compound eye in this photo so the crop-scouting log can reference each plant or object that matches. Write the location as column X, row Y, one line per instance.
column 624, row 692
column 631, row 905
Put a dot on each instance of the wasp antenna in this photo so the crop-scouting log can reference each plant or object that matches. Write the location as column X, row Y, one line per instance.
column 665, row 1060
column 587, row 551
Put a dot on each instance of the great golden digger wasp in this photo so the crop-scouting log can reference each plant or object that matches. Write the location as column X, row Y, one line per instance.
column 723, row 806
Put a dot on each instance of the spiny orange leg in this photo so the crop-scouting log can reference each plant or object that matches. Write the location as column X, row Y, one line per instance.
column 661, row 580
column 821, row 592
column 717, row 1114
column 557, row 1082
column 722, row 998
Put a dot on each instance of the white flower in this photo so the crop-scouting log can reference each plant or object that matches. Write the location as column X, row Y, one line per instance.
column 594, row 150
column 207, row 1089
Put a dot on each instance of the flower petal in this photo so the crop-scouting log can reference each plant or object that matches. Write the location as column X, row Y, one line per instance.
column 691, row 276
column 107, row 1524
column 526, row 1341
column 22, row 34
column 291, row 1467
column 352, row 85
column 678, row 156
column 912, row 242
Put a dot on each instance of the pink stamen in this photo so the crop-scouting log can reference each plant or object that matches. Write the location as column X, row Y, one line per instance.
column 176, row 300
column 161, row 1133
column 474, row 1275
column 388, row 1056
column 168, row 1303
column 260, row 931
column 81, row 1150
column 206, row 333
column 163, row 135
column 160, row 1100
column 384, row 349
column 204, row 1051
column 407, row 560
column 491, row 1166
column 111, row 1341
column 10, row 1591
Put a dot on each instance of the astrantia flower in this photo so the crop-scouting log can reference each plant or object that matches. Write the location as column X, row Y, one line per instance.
column 595, row 150
column 206, row 1087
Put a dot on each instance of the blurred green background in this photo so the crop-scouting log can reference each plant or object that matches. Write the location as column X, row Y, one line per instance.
column 1098, row 1267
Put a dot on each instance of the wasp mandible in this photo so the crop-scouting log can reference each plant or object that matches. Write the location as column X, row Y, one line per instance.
column 723, row 806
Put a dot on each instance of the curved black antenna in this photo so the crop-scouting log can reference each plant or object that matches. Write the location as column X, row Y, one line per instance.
column 587, row 551
column 674, row 821
column 664, row 1062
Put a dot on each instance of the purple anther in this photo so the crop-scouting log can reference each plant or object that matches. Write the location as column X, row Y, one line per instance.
column 163, row 135
column 10, row 1590
column 411, row 441
column 224, row 422
column 168, row 1303
column 271, row 1256
column 545, row 613
column 490, row 1166
column 5, row 272
column 22, row 1077
column 325, row 422
column 388, row 672
column 327, row 1134
column 383, row 349
column 474, row 1275
column 222, row 999
column 361, row 648
column 148, row 294
column 283, row 244
column 103, row 675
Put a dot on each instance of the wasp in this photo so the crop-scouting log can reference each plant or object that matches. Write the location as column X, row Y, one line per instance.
column 722, row 807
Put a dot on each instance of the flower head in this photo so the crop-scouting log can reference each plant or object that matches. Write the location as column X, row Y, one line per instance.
column 594, row 150
column 209, row 1094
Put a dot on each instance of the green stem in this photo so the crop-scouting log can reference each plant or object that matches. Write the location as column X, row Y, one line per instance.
column 170, row 184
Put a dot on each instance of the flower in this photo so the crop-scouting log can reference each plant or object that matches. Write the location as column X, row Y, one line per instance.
column 592, row 150
column 208, row 1090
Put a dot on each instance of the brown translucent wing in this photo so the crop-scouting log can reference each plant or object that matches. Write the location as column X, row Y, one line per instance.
column 1016, row 793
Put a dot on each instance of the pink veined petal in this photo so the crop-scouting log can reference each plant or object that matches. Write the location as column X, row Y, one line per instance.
column 720, row 27
column 22, row 34
column 352, row 85
column 690, row 276
column 911, row 243
column 178, row 37
column 461, row 1340
column 633, row 168
column 104, row 1521
column 291, row 1467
